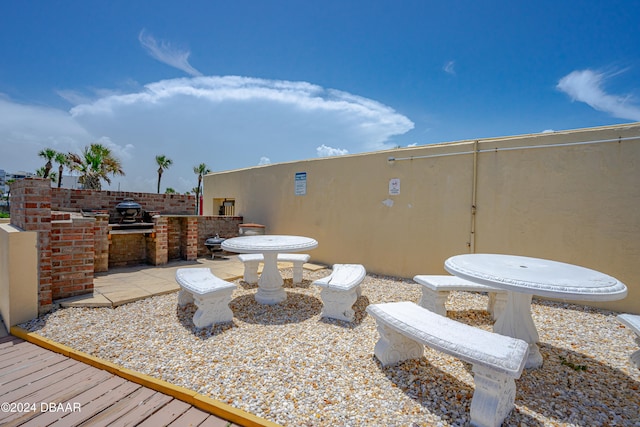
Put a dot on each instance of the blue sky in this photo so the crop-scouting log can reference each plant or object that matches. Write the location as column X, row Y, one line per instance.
column 235, row 84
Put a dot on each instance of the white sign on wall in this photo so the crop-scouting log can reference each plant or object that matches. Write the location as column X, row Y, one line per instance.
column 301, row 183
column 394, row 186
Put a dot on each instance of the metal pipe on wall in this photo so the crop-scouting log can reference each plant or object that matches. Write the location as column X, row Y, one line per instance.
column 474, row 188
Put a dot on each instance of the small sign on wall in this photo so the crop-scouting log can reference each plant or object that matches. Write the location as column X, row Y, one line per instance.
column 394, row 186
column 301, row 183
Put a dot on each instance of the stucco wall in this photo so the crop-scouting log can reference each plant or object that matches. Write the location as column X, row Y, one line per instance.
column 18, row 275
column 575, row 203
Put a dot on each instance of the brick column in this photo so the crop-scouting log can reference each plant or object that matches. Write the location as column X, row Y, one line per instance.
column 72, row 246
column 31, row 211
column 101, row 243
column 158, row 242
column 191, row 250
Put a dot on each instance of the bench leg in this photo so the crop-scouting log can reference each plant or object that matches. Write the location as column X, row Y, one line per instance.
column 493, row 398
column 251, row 271
column 497, row 303
column 184, row 297
column 212, row 309
column 337, row 304
column 635, row 356
column 297, row 272
column 393, row 347
column 434, row 300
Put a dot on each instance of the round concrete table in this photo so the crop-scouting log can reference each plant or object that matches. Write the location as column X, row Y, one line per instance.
column 524, row 277
column 270, row 290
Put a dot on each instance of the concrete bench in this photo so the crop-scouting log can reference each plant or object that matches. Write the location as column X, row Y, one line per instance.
column 436, row 289
column 632, row 321
column 340, row 290
column 209, row 293
column 251, row 262
column 497, row 360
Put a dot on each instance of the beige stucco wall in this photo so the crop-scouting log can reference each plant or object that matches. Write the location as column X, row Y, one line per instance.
column 571, row 203
column 18, row 275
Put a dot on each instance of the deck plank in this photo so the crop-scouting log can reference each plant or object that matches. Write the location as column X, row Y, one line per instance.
column 109, row 415
column 217, row 422
column 28, row 366
column 17, row 354
column 8, row 341
column 81, row 399
column 143, row 410
column 19, row 377
column 24, row 393
column 192, row 417
column 97, row 405
column 166, row 415
column 32, row 374
column 62, row 390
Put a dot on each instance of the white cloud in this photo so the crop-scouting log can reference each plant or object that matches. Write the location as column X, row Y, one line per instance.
column 27, row 129
column 167, row 53
column 324, row 151
column 586, row 86
column 449, row 67
column 225, row 122
column 264, row 161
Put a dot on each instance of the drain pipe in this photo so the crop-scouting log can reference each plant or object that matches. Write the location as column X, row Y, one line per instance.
column 472, row 235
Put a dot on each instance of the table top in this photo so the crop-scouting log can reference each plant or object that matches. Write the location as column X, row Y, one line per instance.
column 537, row 276
column 268, row 243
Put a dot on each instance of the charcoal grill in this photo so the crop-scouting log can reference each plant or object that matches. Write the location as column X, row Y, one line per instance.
column 128, row 210
column 214, row 244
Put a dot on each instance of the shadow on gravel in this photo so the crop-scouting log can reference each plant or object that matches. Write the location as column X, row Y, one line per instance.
column 296, row 308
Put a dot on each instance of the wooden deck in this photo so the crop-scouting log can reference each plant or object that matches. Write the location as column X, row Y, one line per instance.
column 39, row 387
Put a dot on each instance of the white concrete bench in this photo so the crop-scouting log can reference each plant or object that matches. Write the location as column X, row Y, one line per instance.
column 436, row 289
column 340, row 290
column 251, row 262
column 210, row 294
column 497, row 360
column 632, row 321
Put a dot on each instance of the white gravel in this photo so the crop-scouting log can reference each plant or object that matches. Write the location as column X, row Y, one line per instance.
column 286, row 364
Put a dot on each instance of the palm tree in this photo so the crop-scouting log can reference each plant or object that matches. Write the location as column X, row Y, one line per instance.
column 201, row 170
column 170, row 190
column 41, row 172
column 48, row 154
column 62, row 160
column 8, row 183
column 95, row 164
column 163, row 163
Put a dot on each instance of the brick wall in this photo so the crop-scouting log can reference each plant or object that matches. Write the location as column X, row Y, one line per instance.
column 174, row 235
column 101, row 243
column 127, row 250
column 157, row 245
column 208, row 226
column 72, row 255
column 190, row 240
column 77, row 200
column 31, row 211
column 72, row 247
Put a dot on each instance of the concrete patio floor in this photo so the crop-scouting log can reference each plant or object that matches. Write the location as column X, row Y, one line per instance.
column 127, row 284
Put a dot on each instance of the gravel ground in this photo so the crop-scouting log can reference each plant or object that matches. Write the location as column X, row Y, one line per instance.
column 286, row 364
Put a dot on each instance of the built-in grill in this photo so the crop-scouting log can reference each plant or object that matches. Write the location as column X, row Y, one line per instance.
column 128, row 210
column 214, row 244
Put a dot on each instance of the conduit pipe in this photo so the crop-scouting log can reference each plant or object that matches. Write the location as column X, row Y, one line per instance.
column 524, row 147
column 472, row 233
